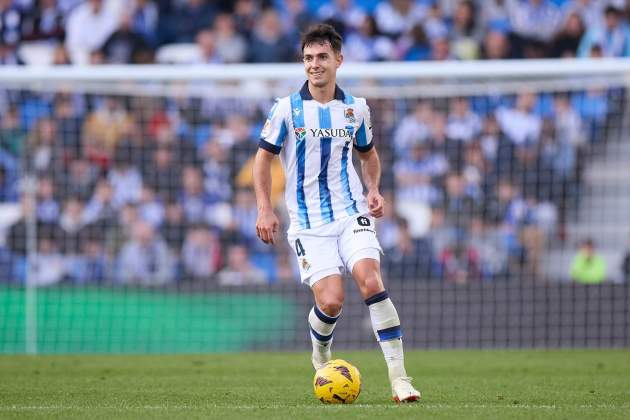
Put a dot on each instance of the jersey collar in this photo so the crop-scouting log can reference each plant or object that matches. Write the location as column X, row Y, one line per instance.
column 306, row 94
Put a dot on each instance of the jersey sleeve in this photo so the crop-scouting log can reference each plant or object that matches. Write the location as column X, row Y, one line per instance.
column 275, row 130
column 363, row 139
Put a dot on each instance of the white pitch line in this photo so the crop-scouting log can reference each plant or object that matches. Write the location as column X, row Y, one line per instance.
column 311, row 406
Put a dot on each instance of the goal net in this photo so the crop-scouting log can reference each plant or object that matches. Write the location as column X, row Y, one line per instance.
column 127, row 215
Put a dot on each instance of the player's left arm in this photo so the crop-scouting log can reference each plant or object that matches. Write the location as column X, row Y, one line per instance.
column 370, row 162
column 371, row 171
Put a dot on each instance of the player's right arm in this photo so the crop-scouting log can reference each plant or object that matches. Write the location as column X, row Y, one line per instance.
column 267, row 223
column 271, row 139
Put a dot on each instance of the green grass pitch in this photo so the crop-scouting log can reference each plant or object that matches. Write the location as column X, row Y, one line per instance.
column 467, row 384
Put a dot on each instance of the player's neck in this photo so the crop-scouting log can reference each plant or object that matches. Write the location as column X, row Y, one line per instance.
column 322, row 94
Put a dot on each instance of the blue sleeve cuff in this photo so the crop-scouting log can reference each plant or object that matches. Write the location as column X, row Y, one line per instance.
column 271, row 148
column 365, row 148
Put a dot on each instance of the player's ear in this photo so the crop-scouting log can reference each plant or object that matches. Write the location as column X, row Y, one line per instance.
column 339, row 59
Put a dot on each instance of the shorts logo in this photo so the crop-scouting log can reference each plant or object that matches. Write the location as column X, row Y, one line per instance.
column 305, row 264
column 349, row 114
column 300, row 133
column 363, row 221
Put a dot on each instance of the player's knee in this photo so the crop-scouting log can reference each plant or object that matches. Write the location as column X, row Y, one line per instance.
column 371, row 284
column 331, row 304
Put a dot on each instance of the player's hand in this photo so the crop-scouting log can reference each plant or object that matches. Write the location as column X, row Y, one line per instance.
column 376, row 203
column 267, row 225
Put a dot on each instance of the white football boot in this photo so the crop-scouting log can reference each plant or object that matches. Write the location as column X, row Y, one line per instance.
column 403, row 391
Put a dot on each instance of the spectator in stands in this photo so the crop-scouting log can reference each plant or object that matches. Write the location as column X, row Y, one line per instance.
column 566, row 42
column 125, row 46
column 493, row 15
column 268, row 44
column 145, row 258
column 486, row 240
column 78, row 179
column 100, row 208
column 201, row 253
column 47, row 266
column 217, row 175
column 9, row 175
column 44, row 22
column 103, row 129
column 60, row 56
column 48, row 209
column 346, row 15
column 459, row 205
column 591, row 12
column 199, row 206
column 44, row 151
column 11, row 133
column 11, row 21
column 88, row 27
column 588, row 267
column 91, row 265
column 244, row 213
column 407, row 258
column 533, row 22
column 496, row 46
column 207, row 48
column 144, row 20
column 463, row 124
column 231, row 46
column 611, row 36
column 9, row 55
column 150, row 208
column 413, row 45
column 412, row 128
column 365, row 44
column 188, row 18
column 246, row 15
column 163, row 174
column 295, row 19
column 520, row 124
column 71, row 223
column 460, row 263
column 509, row 212
column 239, row 270
column 126, row 182
column 441, row 50
column 464, row 33
column 414, row 175
column 394, row 17
column 69, row 126
column 174, row 228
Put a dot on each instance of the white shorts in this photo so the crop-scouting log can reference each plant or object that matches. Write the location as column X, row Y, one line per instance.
column 334, row 247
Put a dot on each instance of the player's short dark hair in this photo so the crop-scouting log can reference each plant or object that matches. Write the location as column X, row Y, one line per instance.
column 320, row 34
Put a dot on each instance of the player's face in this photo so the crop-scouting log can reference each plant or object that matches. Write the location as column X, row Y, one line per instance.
column 321, row 63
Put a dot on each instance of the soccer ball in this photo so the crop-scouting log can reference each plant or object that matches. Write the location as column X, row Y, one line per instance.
column 338, row 382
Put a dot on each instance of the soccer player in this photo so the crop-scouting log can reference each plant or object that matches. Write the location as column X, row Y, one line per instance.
column 331, row 221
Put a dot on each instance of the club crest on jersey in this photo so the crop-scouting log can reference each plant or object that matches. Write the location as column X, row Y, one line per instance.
column 349, row 114
column 300, row 133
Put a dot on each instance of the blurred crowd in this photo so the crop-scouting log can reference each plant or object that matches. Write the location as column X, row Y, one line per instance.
column 155, row 191
column 150, row 190
column 255, row 31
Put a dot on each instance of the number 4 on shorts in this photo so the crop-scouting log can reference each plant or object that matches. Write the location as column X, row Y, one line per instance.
column 299, row 249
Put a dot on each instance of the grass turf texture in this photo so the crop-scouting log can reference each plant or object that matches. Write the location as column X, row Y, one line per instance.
column 562, row 384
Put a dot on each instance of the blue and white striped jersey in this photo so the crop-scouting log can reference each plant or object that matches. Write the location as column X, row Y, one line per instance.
column 315, row 145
